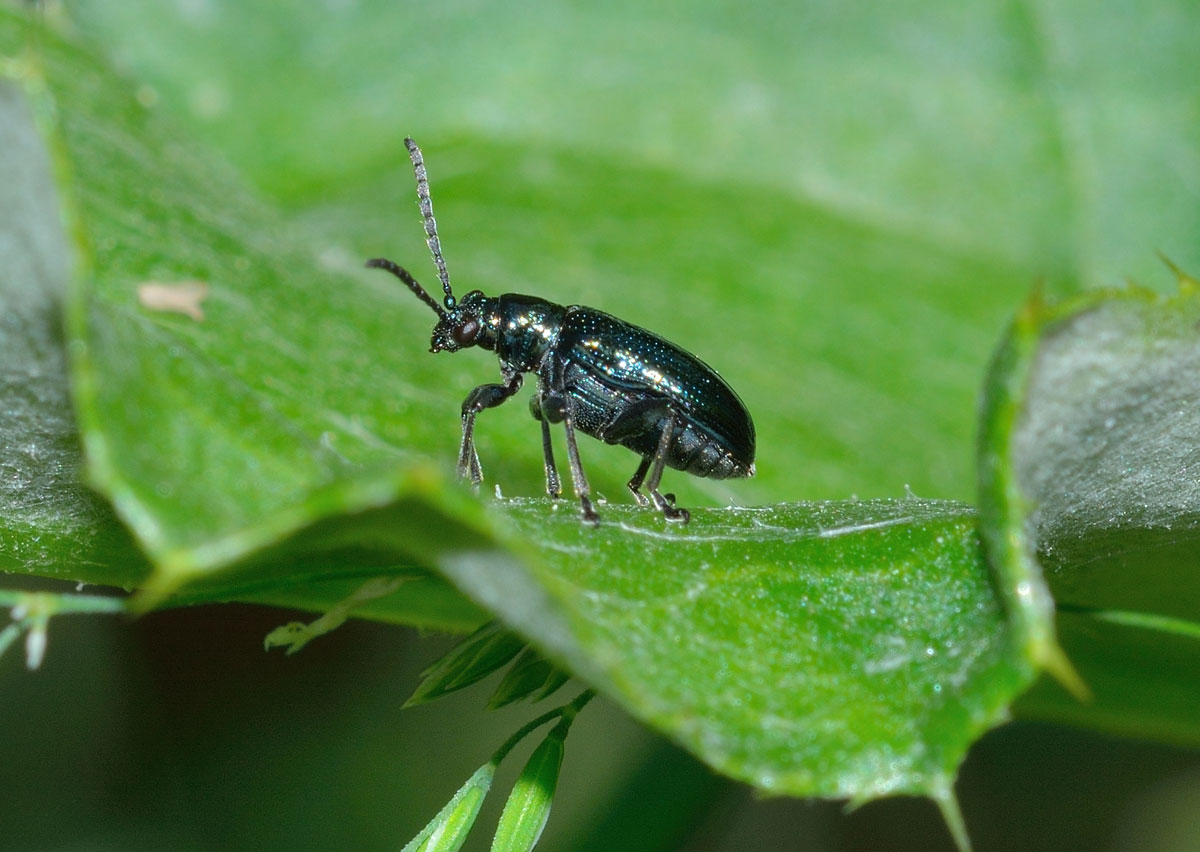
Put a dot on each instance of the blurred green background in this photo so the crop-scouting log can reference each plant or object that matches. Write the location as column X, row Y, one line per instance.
column 177, row 732
column 893, row 177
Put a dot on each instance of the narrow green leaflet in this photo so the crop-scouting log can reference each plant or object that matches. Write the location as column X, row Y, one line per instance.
column 476, row 657
column 528, row 805
column 531, row 677
column 1100, row 504
column 447, row 831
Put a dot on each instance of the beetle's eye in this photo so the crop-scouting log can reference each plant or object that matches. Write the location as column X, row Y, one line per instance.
column 465, row 334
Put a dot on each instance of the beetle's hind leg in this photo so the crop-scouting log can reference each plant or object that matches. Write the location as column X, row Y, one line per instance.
column 666, row 504
column 638, row 418
column 635, row 483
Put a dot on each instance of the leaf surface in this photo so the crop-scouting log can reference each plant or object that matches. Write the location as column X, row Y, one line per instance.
column 844, row 649
column 1100, row 506
column 298, row 439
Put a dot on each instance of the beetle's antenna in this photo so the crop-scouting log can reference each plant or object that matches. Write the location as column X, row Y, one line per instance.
column 402, row 273
column 426, row 204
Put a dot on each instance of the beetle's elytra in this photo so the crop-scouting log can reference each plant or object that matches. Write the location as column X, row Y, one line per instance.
column 596, row 374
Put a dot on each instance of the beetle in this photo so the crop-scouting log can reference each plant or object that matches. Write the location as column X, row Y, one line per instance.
column 596, row 374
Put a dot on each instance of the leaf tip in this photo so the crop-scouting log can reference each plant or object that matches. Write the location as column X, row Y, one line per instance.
column 1187, row 284
column 947, row 803
column 1050, row 656
column 414, row 700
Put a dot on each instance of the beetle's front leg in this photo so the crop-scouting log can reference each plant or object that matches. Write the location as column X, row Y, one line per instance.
column 484, row 396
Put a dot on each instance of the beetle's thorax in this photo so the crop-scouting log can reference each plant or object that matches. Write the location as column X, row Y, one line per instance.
column 524, row 329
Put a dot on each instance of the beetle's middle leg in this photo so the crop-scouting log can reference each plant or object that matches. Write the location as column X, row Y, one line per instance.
column 582, row 491
column 552, row 406
column 484, row 396
column 638, row 418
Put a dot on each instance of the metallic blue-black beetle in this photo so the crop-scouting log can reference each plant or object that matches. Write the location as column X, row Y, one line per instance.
column 596, row 374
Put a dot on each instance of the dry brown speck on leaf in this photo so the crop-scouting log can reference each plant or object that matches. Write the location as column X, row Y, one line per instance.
column 180, row 297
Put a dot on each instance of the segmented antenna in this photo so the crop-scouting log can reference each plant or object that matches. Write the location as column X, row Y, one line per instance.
column 402, row 273
column 431, row 235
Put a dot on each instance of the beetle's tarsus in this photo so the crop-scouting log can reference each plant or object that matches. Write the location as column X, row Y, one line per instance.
column 470, row 471
column 666, row 505
column 468, row 459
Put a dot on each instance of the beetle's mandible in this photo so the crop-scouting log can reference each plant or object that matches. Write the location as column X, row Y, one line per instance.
column 596, row 374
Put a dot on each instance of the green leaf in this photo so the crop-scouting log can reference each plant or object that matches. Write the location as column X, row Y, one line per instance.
column 50, row 524
column 473, row 659
column 70, row 120
column 1100, row 506
column 1019, row 577
column 448, row 830
column 1055, row 140
column 531, row 677
column 121, row 193
column 297, row 440
column 845, row 649
column 886, row 277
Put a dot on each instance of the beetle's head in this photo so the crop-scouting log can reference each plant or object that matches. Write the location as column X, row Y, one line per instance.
column 460, row 324
column 463, row 325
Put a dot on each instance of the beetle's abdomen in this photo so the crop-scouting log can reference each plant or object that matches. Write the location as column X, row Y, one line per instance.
column 612, row 415
column 695, row 451
column 612, row 367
